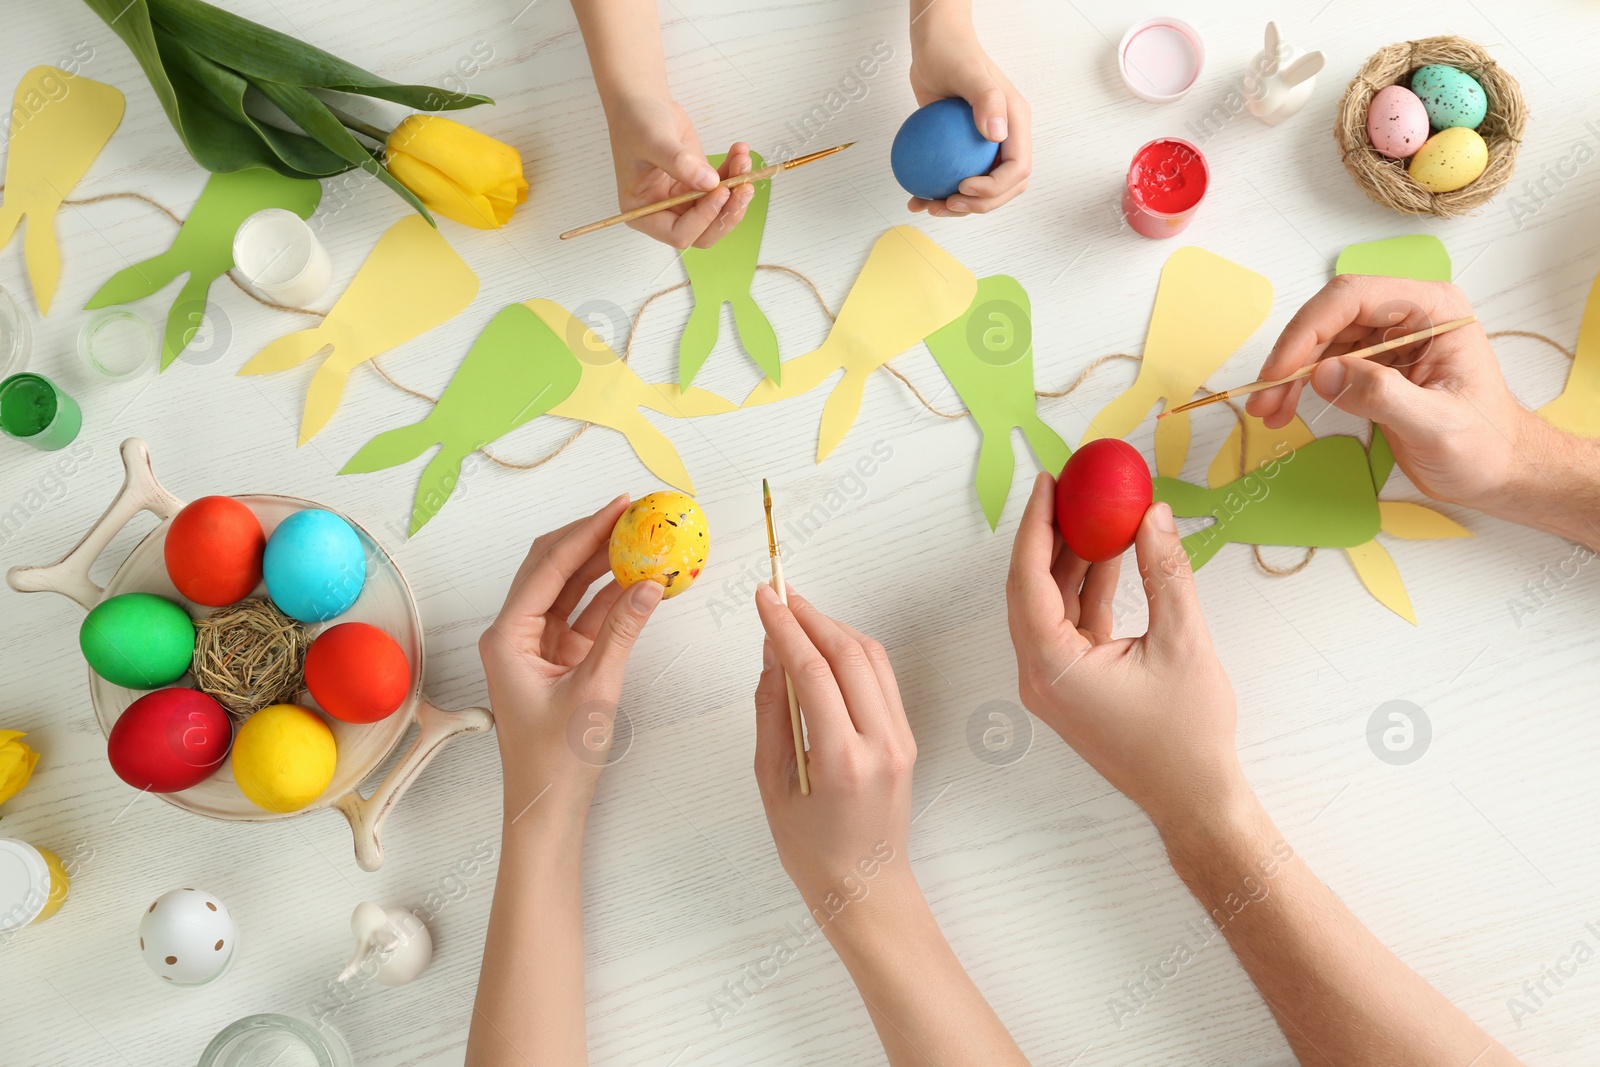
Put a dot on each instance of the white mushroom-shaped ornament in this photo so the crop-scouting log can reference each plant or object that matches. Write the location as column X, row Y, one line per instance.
column 1280, row 79
column 393, row 946
column 187, row 937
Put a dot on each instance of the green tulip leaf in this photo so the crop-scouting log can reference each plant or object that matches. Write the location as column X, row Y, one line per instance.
column 295, row 155
column 259, row 52
column 202, row 61
column 313, row 116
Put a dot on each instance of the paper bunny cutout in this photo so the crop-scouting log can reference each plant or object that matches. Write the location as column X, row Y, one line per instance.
column 1280, row 79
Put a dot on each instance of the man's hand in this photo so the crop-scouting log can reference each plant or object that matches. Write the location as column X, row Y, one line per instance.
column 1155, row 715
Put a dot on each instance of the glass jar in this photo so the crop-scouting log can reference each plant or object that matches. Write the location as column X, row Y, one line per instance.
column 276, row 1040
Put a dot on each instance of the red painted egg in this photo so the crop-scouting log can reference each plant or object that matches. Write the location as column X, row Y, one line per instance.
column 169, row 740
column 214, row 549
column 357, row 673
column 1101, row 497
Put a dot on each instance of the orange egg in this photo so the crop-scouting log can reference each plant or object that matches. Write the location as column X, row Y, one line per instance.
column 357, row 673
column 213, row 551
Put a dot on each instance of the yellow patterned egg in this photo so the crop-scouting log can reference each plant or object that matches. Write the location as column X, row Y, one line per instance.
column 662, row 537
column 1449, row 160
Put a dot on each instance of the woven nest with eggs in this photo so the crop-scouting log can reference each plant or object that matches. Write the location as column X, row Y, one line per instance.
column 1460, row 164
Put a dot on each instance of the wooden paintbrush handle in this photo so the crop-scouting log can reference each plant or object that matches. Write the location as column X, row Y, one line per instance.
column 674, row 201
column 1305, row 372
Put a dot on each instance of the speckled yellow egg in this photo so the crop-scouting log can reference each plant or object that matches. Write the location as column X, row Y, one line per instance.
column 1449, row 160
column 662, row 537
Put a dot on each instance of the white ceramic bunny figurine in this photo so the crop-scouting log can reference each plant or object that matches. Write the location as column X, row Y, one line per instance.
column 393, row 940
column 1280, row 79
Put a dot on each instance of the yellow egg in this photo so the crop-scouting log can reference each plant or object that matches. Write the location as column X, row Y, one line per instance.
column 284, row 757
column 1449, row 160
column 663, row 537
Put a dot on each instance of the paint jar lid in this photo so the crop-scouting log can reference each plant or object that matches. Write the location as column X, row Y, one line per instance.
column 24, row 884
column 117, row 343
column 16, row 336
column 1160, row 59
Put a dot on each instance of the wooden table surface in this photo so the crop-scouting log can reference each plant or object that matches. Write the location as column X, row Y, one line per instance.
column 1476, row 862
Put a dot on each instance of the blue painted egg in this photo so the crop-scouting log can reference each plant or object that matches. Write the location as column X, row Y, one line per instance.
column 1453, row 97
column 314, row 565
column 938, row 147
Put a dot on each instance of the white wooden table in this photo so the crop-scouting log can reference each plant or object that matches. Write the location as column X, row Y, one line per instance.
column 1477, row 862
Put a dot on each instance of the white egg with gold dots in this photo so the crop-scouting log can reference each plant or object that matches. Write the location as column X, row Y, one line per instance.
column 187, row 937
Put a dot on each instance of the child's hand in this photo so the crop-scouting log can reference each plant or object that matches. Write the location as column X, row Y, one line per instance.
column 848, row 837
column 657, row 155
column 554, row 684
column 947, row 60
column 1155, row 715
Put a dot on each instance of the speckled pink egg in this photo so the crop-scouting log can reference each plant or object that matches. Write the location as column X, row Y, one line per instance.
column 1397, row 123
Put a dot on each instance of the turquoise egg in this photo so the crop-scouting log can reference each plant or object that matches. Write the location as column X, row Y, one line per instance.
column 138, row 640
column 314, row 565
column 1452, row 97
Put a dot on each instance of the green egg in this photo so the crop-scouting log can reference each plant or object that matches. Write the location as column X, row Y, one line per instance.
column 1452, row 97
column 138, row 640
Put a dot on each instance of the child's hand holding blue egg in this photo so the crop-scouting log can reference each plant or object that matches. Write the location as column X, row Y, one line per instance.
column 969, row 149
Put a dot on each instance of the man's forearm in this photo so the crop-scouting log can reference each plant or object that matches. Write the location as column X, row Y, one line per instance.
column 1554, row 484
column 1336, row 992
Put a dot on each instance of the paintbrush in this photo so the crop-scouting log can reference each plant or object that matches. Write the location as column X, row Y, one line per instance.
column 684, row 198
column 1305, row 372
column 782, row 590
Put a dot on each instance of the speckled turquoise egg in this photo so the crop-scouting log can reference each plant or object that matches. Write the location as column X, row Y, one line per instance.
column 1452, row 97
column 138, row 640
column 1449, row 160
column 662, row 538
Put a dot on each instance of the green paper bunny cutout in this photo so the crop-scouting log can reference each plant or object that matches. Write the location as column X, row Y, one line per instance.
column 203, row 248
column 523, row 365
column 987, row 354
column 722, row 274
column 1321, row 495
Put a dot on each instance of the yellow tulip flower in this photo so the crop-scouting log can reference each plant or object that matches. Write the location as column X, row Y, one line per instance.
column 16, row 764
column 456, row 171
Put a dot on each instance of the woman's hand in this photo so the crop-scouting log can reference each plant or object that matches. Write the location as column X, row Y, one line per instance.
column 554, row 681
column 845, row 844
column 947, row 60
column 657, row 154
column 848, row 836
column 1155, row 715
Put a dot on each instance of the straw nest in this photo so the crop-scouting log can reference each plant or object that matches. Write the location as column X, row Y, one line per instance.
column 250, row 655
column 1385, row 180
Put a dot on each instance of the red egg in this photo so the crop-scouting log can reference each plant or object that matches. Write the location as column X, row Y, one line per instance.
column 357, row 673
column 214, row 551
column 169, row 740
column 1101, row 497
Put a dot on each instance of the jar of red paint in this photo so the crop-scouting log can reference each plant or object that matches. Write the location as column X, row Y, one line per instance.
column 1166, row 182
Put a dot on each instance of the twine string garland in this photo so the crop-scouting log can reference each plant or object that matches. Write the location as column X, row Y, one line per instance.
column 1044, row 394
